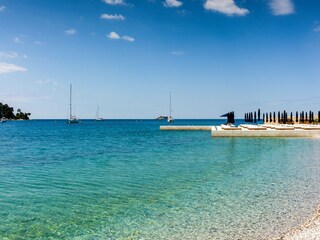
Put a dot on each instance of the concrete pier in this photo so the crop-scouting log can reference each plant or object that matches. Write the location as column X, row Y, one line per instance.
column 247, row 130
column 280, row 131
column 186, row 128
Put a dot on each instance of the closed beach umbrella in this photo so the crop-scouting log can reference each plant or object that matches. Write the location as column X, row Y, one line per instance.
column 267, row 120
column 259, row 115
column 318, row 117
column 310, row 116
column 270, row 116
column 255, row 117
column 278, row 117
column 297, row 116
column 302, row 116
column 291, row 117
column 306, row 116
column 263, row 117
column 274, row 116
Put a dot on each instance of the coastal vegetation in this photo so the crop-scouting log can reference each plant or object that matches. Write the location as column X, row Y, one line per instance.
column 8, row 112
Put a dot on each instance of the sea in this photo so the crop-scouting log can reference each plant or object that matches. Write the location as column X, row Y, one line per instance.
column 126, row 179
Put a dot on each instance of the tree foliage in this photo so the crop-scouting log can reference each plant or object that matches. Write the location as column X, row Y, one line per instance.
column 8, row 112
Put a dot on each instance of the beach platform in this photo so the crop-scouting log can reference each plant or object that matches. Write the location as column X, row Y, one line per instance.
column 247, row 130
column 280, row 131
column 185, row 128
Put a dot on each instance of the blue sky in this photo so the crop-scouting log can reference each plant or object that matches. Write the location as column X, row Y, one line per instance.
column 127, row 55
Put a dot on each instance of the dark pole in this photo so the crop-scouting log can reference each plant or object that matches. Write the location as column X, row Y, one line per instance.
column 267, row 119
column 306, row 116
column 310, row 117
column 259, row 115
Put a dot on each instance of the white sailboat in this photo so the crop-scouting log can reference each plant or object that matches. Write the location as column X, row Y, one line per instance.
column 98, row 118
column 170, row 118
column 72, row 119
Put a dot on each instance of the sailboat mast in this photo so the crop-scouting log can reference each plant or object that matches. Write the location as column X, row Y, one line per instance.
column 97, row 115
column 170, row 106
column 70, row 101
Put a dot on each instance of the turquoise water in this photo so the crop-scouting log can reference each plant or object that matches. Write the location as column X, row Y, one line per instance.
column 128, row 180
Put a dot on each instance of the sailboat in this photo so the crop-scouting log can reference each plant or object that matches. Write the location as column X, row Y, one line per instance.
column 72, row 119
column 170, row 118
column 98, row 118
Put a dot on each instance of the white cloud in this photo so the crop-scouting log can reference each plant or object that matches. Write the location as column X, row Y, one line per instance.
column 8, row 68
column 127, row 38
column 112, row 17
column 114, row 2
column 177, row 53
column 282, row 7
column 113, row 35
column 116, row 36
column 48, row 81
column 18, row 40
column 227, row 7
column 2, row 8
column 70, row 32
column 317, row 28
column 172, row 3
column 38, row 42
column 11, row 55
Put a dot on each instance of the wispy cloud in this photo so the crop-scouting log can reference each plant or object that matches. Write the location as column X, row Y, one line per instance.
column 9, row 68
column 172, row 3
column 227, row 7
column 38, row 42
column 281, row 7
column 112, row 17
column 177, row 53
column 116, row 36
column 18, row 40
column 2, row 8
column 127, row 38
column 48, row 81
column 115, row 2
column 70, row 32
column 317, row 27
column 6, row 55
column 113, row 35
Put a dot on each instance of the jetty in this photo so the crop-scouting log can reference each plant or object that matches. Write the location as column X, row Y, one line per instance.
column 248, row 130
column 185, row 128
column 284, row 125
column 306, row 131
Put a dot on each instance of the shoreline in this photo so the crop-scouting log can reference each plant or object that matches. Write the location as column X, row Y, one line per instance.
column 310, row 230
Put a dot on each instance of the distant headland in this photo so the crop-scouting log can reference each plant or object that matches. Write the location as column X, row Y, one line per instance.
column 7, row 112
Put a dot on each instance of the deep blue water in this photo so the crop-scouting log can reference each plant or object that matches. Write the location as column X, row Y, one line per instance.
column 126, row 179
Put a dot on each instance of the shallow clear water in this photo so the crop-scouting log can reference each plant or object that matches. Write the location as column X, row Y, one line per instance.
column 128, row 180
